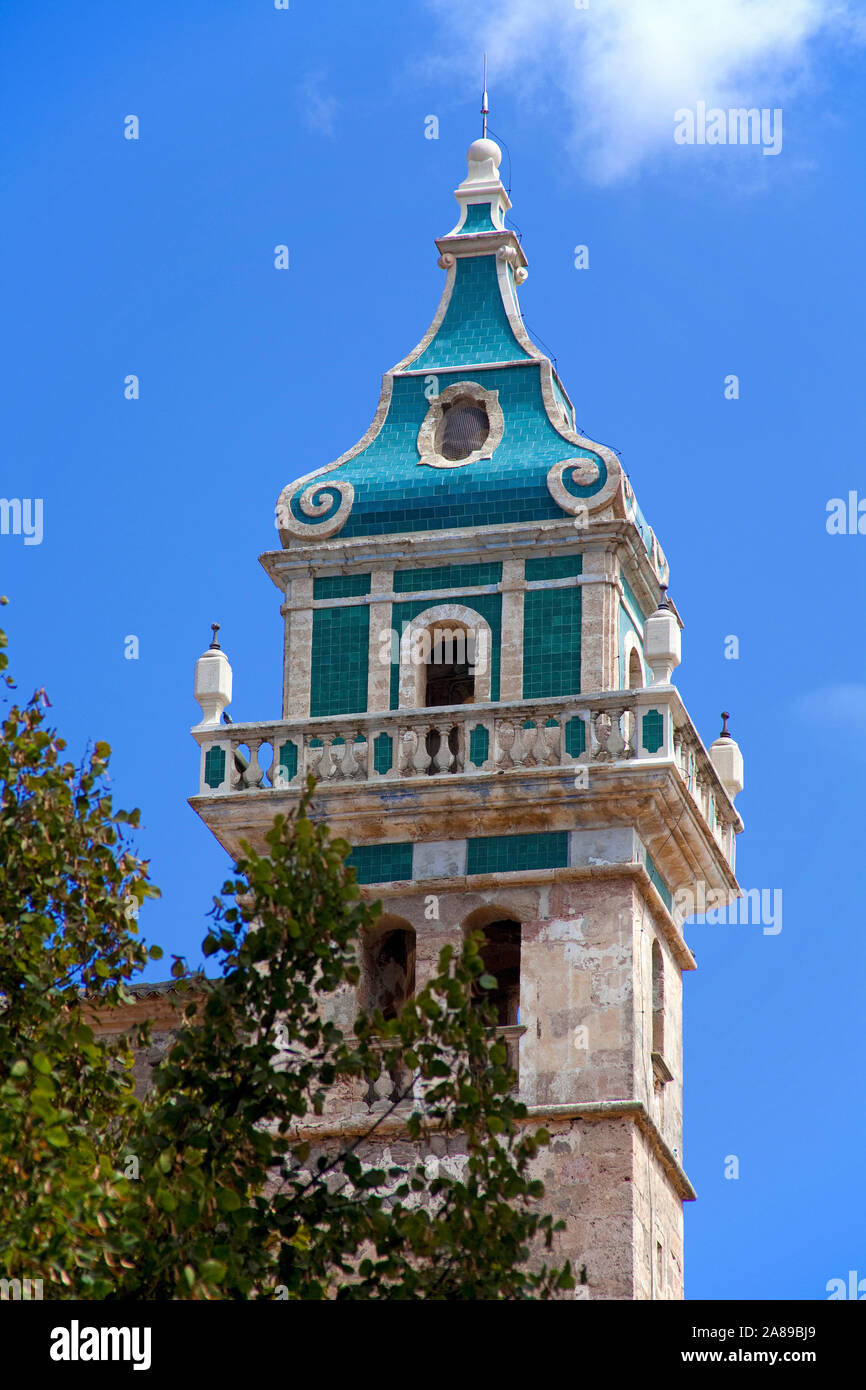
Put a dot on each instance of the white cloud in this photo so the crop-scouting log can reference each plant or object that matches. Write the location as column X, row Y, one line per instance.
column 319, row 107
column 612, row 75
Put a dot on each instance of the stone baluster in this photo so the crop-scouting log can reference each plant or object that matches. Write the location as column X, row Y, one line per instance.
column 421, row 760
column 551, row 740
column 615, row 741
column 348, row 765
column 442, row 757
column 330, row 758
column 312, row 757
column 255, row 775
column 407, row 747
column 504, row 742
column 601, row 729
column 462, row 745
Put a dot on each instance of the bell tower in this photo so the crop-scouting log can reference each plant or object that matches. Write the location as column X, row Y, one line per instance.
column 477, row 667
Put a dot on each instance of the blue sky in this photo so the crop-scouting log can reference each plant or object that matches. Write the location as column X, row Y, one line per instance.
column 306, row 127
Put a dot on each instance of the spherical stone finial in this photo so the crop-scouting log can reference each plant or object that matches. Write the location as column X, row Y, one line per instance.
column 480, row 150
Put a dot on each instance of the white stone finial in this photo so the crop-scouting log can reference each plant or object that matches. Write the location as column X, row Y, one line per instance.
column 484, row 158
column 662, row 641
column 727, row 759
column 213, row 681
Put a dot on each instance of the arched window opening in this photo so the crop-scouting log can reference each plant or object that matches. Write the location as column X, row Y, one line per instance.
column 449, row 680
column 501, row 958
column 658, row 999
column 635, row 671
column 450, row 668
column 388, row 970
column 465, row 427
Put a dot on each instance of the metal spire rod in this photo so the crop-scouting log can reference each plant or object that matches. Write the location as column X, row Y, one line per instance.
column 484, row 107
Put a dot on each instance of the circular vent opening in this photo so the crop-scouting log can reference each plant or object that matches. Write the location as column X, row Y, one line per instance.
column 466, row 428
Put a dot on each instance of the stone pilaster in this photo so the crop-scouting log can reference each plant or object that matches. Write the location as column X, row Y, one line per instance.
column 298, row 649
column 379, row 679
column 511, row 658
column 599, row 604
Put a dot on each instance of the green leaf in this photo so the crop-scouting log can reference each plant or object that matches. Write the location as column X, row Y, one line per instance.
column 41, row 1063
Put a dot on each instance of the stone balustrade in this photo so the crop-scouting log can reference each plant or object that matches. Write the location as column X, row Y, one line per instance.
column 581, row 731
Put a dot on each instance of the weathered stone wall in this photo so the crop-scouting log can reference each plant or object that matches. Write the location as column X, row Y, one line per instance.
column 589, row 1069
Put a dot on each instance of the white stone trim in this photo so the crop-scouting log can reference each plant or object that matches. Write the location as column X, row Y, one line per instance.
column 429, row 435
column 413, row 674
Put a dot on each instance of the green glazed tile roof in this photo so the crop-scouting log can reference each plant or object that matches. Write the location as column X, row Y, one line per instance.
column 475, row 328
column 393, row 493
column 480, row 338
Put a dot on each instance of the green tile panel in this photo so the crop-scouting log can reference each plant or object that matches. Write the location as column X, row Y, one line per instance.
column 382, row 863
column 479, row 745
column 551, row 642
column 446, row 577
column 340, row 660
column 554, row 567
column 383, row 753
column 653, row 730
column 214, row 766
column 342, row 586
column 656, row 878
column 500, row 854
column 288, row 759
column 575, row 737
column 637, row 611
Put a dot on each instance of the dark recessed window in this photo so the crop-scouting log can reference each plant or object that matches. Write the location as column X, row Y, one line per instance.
column 466, row 428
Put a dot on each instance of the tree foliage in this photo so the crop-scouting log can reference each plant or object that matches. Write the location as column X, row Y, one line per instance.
column 245, row 1188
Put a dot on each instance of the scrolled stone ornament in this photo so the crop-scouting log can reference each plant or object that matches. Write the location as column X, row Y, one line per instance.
column 581, row 472
column 328, row 499
column 509, row 255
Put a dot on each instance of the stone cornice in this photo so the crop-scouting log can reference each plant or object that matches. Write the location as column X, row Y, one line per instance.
column 591, row 1112
column 517, row 540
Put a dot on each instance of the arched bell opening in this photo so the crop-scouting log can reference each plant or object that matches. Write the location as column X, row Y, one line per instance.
column 500, row 956
column 387, row 967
